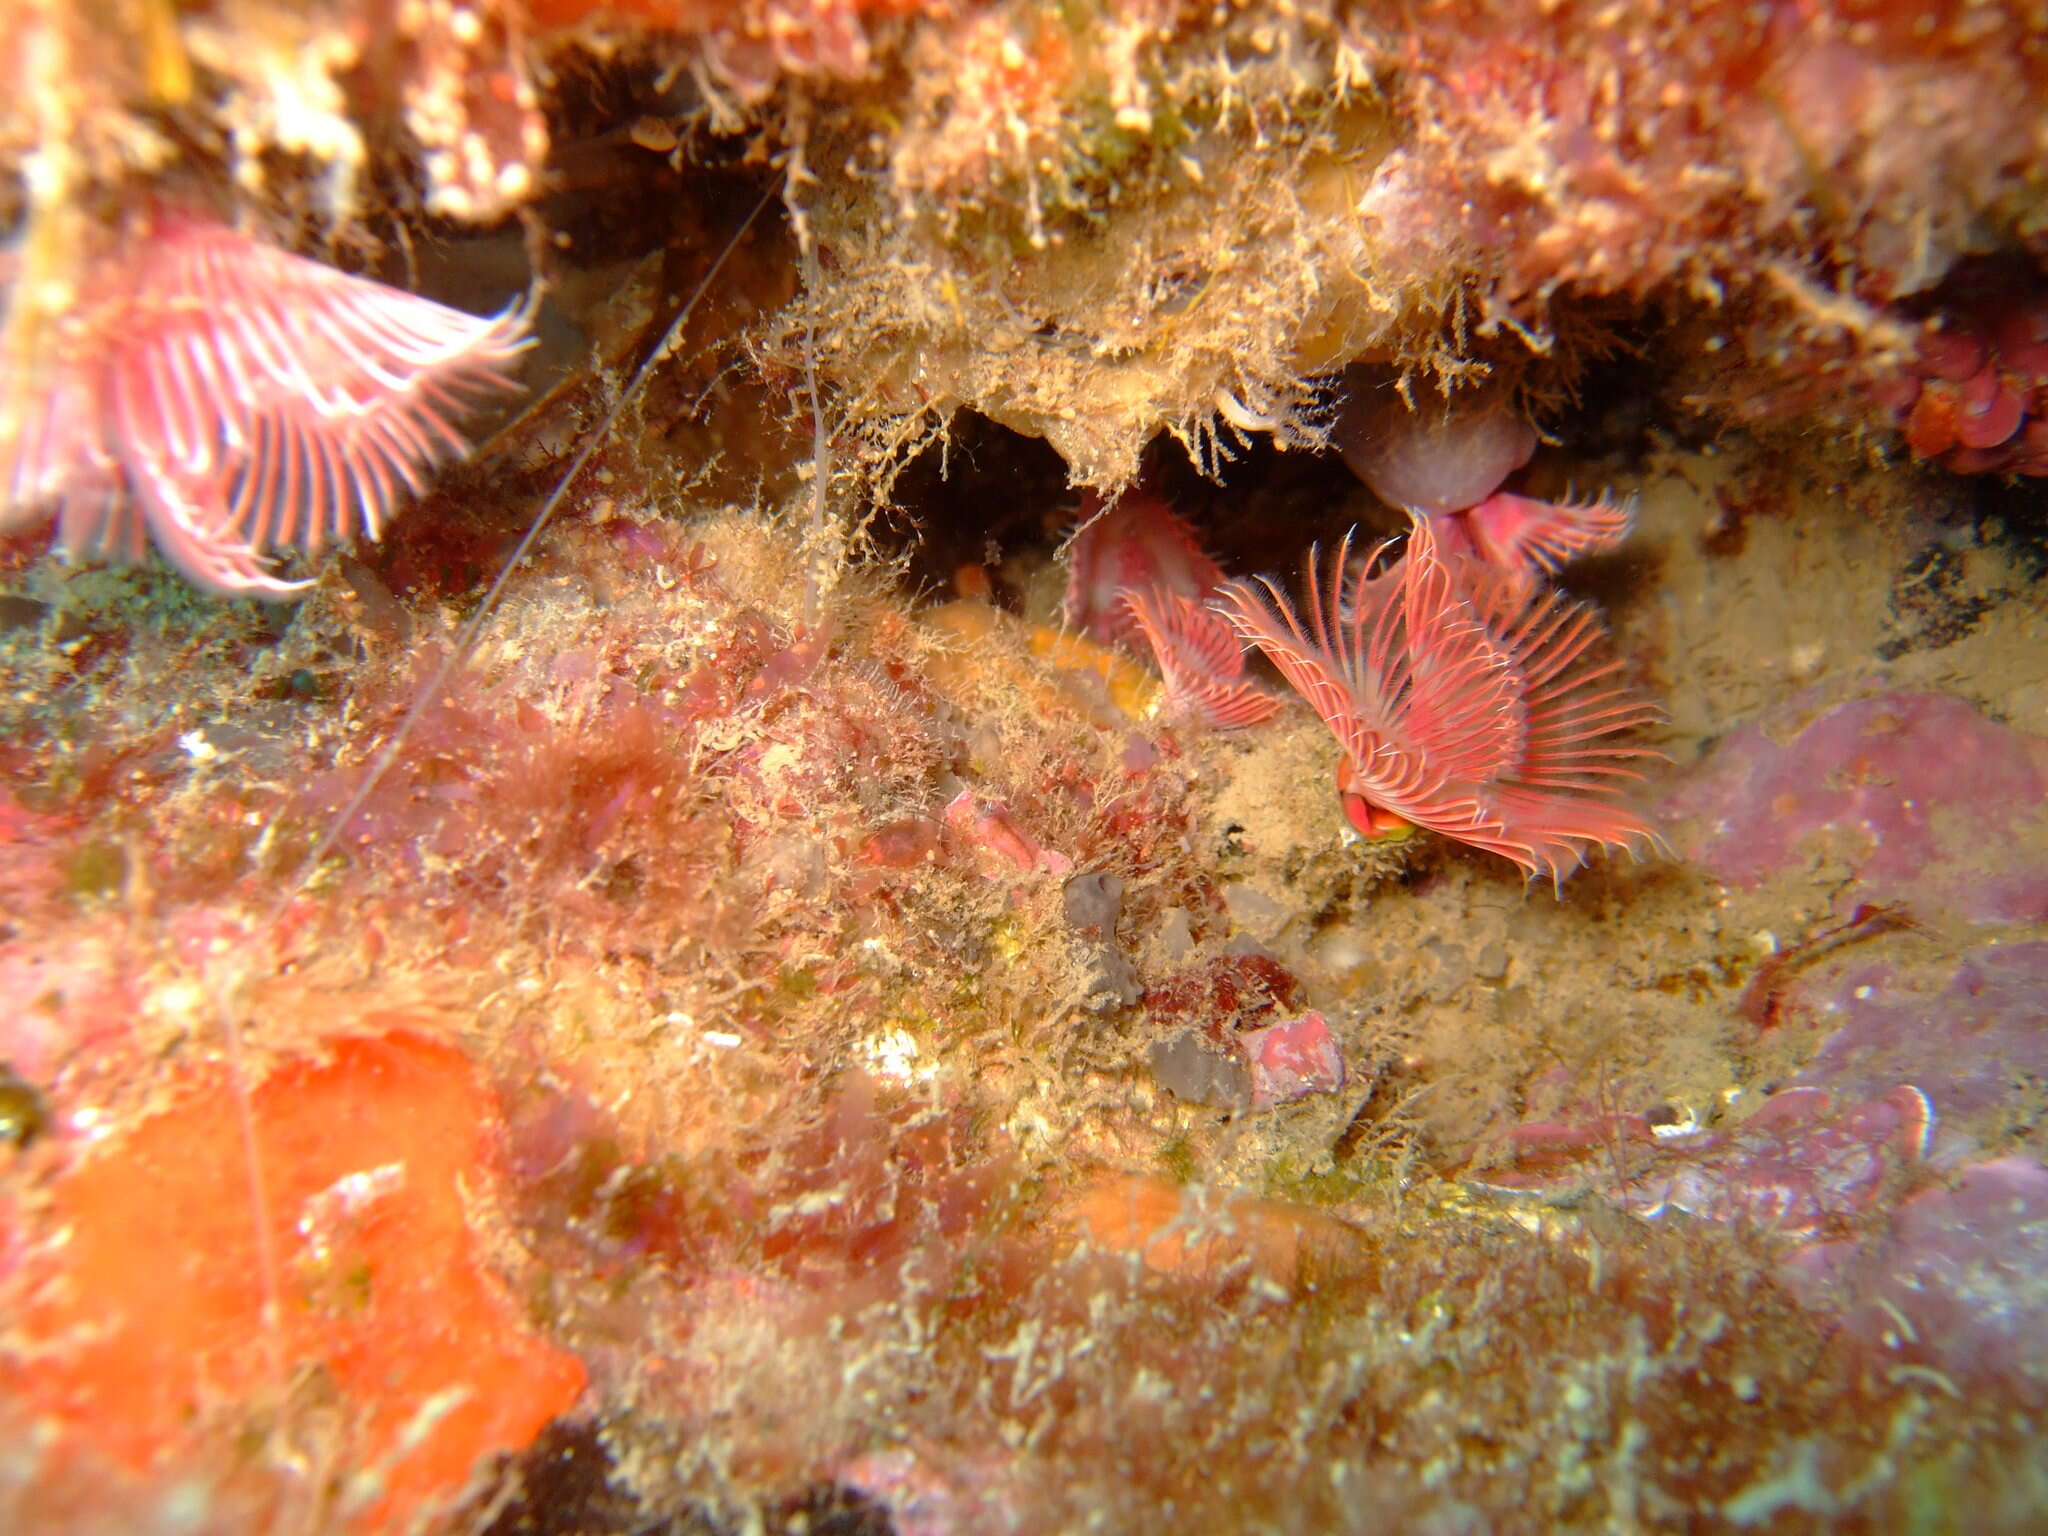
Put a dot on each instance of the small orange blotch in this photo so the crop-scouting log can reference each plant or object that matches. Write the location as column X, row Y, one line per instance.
column 143, row 1317
column 901, row 844
column 1081, row 670
column 1931, row 426
column 1199, row 1234
column 1131, row 688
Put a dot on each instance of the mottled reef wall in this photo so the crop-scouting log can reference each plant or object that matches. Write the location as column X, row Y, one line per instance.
column 613, row 920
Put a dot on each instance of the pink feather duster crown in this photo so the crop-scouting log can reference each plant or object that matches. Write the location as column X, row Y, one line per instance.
column 1465, row 701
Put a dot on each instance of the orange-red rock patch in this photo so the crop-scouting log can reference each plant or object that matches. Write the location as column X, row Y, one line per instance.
column 142, row 1325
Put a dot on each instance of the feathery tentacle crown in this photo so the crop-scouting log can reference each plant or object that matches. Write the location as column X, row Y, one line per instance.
column 235, row 401
column 1200, row 661
column 1464, row 701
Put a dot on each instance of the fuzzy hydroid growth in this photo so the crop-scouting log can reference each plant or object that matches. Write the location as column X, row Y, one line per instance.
column 235, row 400
column 1463, row 702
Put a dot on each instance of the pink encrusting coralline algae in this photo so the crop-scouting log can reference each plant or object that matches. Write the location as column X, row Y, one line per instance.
column 1465, row 701
column 235, row 401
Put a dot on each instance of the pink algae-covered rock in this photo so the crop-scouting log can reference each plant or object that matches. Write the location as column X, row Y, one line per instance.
column 999, row 843
column 1926, row 800
column 1972, row 1034
column 1260, row 1068
column 1957, row 1285
column 1804, row 1164
column 1292, row 1060
column 61, row 994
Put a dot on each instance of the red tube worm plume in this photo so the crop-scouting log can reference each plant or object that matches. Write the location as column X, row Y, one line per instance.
column 235, row 400
column 1464, row 702
column 1201, row 660
column 1445, row 458
column 1528, row 538
column 1137, row 543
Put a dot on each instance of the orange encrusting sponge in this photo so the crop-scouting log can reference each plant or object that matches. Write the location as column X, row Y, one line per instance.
column 150, row 1316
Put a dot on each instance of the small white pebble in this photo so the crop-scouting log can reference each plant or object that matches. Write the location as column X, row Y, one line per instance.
column 1684, row 1125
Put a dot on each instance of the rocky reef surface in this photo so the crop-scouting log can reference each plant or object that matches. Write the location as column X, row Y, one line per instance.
column 662, row 867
